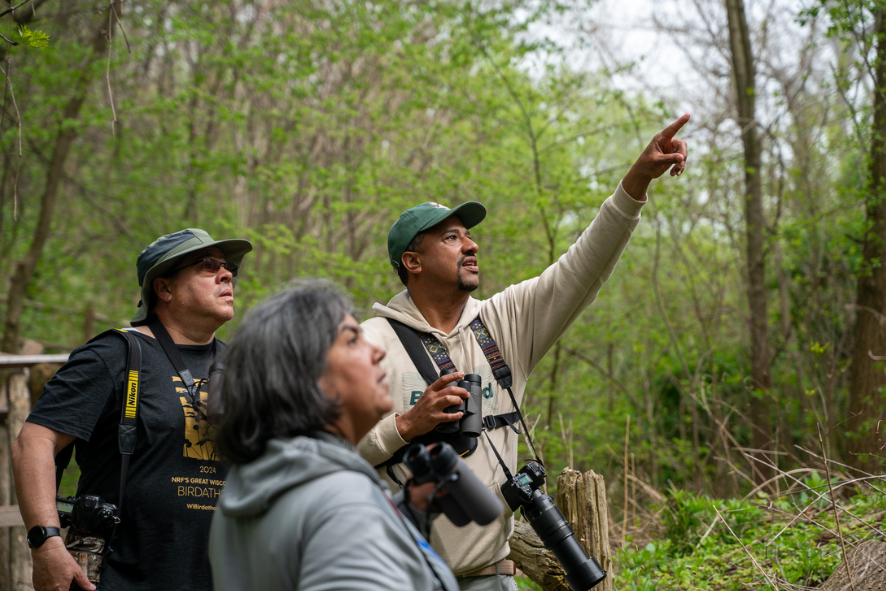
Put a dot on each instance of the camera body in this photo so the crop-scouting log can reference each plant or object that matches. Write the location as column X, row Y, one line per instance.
column 522, row 487
column 468, row 499
column 471, row 424
column 523, row 492
column 91, row 524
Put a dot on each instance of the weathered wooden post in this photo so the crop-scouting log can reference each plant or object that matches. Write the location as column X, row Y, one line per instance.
column 5, row 478
column 582, row 500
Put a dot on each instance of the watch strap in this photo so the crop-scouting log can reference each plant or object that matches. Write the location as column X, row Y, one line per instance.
column 38, row 534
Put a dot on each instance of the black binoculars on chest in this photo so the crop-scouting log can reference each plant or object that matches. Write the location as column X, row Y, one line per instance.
column 471, row 423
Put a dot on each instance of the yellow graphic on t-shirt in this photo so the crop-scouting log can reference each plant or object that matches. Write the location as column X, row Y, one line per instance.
column 198, row 432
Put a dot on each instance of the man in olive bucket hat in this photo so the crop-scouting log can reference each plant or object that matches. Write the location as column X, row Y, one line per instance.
column 174, row 476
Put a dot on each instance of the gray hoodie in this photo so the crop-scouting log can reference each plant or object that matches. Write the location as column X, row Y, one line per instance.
column 311, row 514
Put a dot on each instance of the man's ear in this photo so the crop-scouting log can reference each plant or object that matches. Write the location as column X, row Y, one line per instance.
column 162, row 287
column 411, row 262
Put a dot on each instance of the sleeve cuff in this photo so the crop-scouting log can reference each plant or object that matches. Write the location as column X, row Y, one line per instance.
column 380, row 444
column 627, row 205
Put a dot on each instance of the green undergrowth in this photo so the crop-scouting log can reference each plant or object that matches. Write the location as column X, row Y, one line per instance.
column 789, row 540
column 792, row 537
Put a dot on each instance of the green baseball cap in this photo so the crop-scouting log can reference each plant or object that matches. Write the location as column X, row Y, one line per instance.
column 427, row 215
column 162, row 255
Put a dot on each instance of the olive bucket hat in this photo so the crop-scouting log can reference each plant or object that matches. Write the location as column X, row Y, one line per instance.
column 427, row 215
column 162, row 255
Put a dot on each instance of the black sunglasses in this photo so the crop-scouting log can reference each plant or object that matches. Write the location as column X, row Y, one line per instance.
column 212, row 266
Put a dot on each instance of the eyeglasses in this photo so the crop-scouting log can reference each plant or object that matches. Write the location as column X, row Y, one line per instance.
column 212, row 266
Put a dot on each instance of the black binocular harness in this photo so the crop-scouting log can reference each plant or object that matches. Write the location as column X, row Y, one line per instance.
column 416, row 344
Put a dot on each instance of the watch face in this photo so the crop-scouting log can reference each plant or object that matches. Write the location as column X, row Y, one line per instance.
column 36, row 536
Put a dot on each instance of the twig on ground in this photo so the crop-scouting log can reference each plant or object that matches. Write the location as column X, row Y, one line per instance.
column 624, row 526
column 834, row 505
column 748, row 552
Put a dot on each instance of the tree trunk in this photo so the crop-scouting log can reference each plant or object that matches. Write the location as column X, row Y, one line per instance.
column 65, row 136
column 743, row 70
column 867, row 378
column 15, row 397
column 12, row 567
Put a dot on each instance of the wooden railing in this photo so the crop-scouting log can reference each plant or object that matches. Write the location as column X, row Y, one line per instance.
column 15, row 404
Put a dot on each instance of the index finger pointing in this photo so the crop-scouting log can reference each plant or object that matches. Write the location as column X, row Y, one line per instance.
column 672, row 129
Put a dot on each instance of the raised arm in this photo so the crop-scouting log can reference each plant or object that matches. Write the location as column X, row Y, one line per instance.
column 536, row 312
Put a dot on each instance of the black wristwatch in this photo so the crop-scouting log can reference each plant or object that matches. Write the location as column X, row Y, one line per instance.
column 38, row 534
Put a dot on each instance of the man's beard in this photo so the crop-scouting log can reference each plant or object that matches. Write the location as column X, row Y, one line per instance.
column 462, row 286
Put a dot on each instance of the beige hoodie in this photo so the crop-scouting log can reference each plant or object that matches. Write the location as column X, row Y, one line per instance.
column 525, row 320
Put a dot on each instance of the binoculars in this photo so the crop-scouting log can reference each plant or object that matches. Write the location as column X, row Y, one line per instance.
column 471, row 424
column 468, row 499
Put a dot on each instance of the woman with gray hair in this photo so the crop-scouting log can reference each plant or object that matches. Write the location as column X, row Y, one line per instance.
column 301, row 509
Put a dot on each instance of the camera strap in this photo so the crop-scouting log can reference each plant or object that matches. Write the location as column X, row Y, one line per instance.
column 128, row 429
column 412, row 342
column 502, row 374
column 172, row 353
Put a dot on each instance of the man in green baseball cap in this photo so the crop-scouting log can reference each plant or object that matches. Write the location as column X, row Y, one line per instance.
column 414, row 222
column 174, row 475
column 436, row 325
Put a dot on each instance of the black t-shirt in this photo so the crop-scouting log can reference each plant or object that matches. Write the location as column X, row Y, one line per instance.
column 174, row 478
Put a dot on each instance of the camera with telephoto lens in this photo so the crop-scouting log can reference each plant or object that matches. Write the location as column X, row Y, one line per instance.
column 471, row 423
column 522, row 491
column 468, row 500
column 91, row 524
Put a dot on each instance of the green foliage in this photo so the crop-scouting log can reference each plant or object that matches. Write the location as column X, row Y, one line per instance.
column 30, row 38
column 698, row 551
column 308, row 131
column 682, row 520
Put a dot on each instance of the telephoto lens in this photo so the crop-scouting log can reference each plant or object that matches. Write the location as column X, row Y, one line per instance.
column 472, row 421
column 582, row 571
column 522, row 492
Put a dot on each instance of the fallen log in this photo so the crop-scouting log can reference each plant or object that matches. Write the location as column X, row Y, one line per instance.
column 867, row 566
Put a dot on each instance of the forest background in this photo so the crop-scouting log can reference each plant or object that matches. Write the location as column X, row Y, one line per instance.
column 744, row 318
